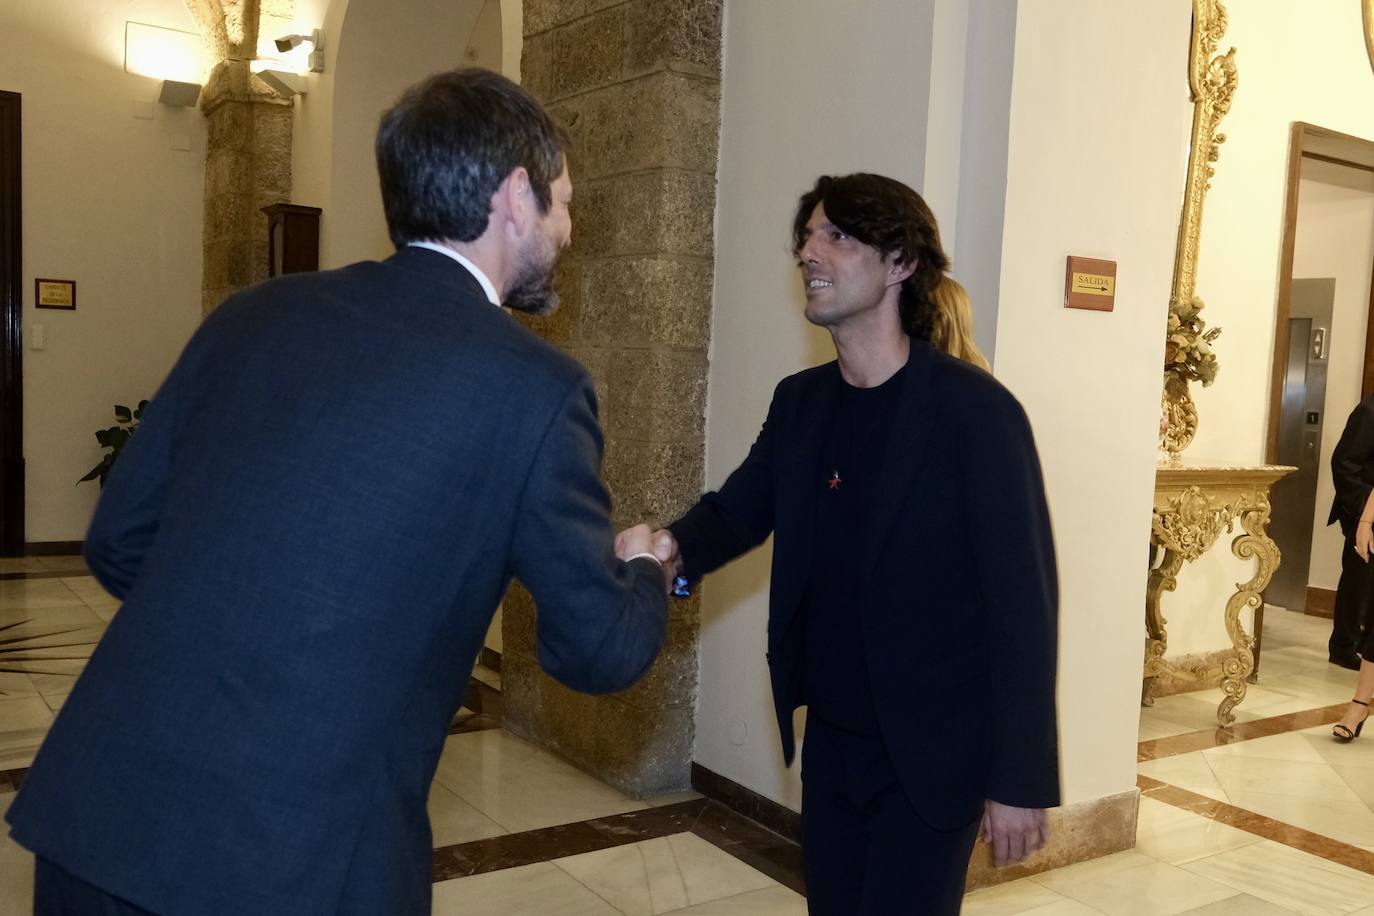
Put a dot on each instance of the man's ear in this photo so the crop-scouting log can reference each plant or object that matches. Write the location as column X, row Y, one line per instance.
column 898, row 270
column 514, row 202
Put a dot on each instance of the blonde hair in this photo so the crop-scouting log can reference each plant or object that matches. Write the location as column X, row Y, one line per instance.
column 952, row 332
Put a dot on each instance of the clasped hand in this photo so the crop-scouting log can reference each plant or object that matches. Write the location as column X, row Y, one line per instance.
column 660, row 543
column 1013, row 833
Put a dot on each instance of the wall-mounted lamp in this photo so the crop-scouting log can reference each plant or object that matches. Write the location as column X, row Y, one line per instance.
column 172, row 56
column 315, row 61
column 178, row 94
column 283, row 83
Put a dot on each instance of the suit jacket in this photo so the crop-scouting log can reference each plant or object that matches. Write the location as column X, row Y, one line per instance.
column 959, row 597
column 1352, row 466
column 311, row 530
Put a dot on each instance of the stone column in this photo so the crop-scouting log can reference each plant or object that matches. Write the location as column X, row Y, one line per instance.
column 248, row 154
column 637, row 86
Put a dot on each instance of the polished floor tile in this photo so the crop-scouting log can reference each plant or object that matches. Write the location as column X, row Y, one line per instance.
column 1297, row 779
column 453, row 821
column 1191, row 771
column 662, row 875
column 1289, row 878
column 1150, row 888
column 1023, row 896
column 37, row 593
column 522, row 787
column 23, row 724
column 1241, row 905
column 16, row 870
column 1348, row 821
column 771, row 901
column 1175, row 836
column 1275, row 747
column 529, row 889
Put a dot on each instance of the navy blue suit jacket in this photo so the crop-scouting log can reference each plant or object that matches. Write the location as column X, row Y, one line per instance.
column 310, row 532
column 959, row 592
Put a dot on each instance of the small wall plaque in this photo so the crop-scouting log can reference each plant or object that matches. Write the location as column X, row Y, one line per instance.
column 1090, row 283
column 54, row 294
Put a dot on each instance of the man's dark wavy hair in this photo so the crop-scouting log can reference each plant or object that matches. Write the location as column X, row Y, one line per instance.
column 445, row 147
column 890, row 217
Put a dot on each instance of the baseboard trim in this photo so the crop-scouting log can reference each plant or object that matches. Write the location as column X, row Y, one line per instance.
column 778, row 818
column 53, row 548
column 1086, row 830
column 1321, row 602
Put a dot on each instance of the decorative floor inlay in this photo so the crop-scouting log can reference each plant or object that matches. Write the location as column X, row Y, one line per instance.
column 761, row 849
column 1174, row 745
column 1268, row 828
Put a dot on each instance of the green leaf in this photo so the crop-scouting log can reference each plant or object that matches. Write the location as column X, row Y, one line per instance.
column 118, row 437
column 123, row 414
column 93, row 473
column 103, row 436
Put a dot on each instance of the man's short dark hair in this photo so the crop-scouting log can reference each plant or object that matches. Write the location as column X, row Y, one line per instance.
column 446, row 146
column 891, row 217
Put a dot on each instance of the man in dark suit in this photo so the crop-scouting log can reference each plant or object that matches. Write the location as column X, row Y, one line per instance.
column 1352, row 472
column 311, row 531
column 914, row 597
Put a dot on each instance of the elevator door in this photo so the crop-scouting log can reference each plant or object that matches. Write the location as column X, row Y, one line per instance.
column 1300, row 438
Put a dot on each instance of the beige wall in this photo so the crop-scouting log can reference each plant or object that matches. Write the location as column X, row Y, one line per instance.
column 1098, row 147
column 110, row 202
column 376, row 49
column 1335, row 238
column 1297, row 62
column 1089, row 381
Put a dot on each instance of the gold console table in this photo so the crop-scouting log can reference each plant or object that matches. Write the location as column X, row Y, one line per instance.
column 1194, row 504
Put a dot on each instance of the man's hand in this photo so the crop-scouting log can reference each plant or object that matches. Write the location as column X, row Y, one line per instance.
column 1364, row 540
column 665, row 548
column 642, row 539
column 1013, row 833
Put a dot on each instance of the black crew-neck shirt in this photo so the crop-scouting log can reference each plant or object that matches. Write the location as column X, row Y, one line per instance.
column 837, row 682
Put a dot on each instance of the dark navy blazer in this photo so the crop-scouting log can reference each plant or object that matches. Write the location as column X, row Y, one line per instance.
column 310, row 531
column 959, row 592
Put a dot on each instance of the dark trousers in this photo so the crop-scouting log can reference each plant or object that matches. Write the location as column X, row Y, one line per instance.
column 867, row 851
column 57, row 892
column 1354, row 593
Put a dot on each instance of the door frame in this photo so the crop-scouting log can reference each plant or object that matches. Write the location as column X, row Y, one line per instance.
column 11, row 330
column 1357, row 153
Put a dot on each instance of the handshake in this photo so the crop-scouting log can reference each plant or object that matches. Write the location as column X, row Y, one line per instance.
column 656, row 542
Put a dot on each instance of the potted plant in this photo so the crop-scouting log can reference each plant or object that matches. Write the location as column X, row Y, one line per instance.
column 114, row 439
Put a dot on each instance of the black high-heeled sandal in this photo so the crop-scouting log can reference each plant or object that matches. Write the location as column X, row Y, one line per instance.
column 1345, row 735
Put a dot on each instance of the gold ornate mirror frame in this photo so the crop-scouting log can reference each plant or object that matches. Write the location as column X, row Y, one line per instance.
column 1211, row 86
column 1368, row 8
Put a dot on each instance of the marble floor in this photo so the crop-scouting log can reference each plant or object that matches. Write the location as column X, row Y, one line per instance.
column 1270, row 817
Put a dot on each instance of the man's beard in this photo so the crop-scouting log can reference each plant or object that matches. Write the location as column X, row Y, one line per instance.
column 531, row 289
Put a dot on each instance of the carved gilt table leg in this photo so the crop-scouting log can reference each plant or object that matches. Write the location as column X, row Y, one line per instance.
column 1256, row 544
column 1162, row 579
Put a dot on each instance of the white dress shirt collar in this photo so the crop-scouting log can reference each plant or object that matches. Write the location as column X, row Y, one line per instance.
column 472, row 268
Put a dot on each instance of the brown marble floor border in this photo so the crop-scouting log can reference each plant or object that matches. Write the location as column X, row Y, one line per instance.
column 513, row 850
column 1324, row 847
column 44, row 574
column 737, row 836
column 1188, row 742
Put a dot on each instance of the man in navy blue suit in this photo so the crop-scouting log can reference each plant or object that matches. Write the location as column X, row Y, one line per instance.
column 310, row 533
column 914, row 597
